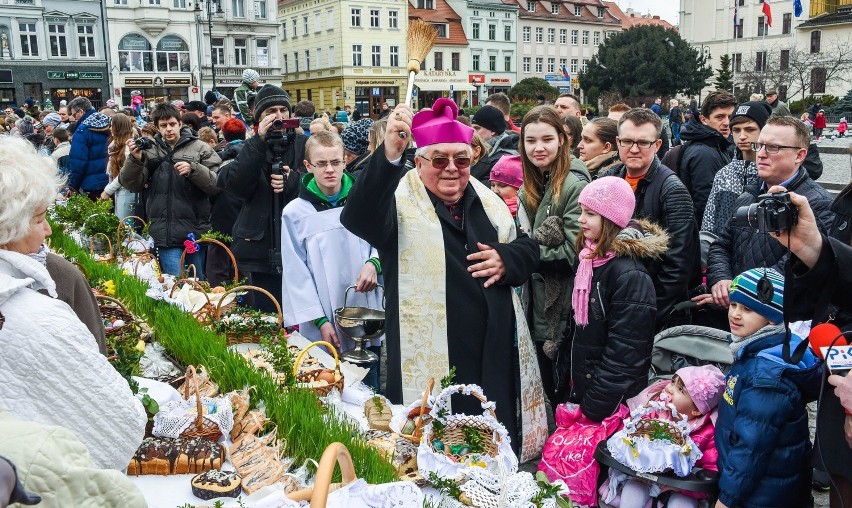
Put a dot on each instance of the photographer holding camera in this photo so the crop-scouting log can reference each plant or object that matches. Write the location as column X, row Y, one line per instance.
column 177, row 171
column 743, row 244
column 265, row 176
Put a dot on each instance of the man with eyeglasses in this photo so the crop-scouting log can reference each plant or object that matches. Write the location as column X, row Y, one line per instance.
column 88, row 157
column 662, row 198
column 450, row 255
column 265, row 175
column 781, row 149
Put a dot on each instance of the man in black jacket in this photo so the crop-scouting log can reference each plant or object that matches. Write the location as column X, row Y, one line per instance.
column 265, row 176
column 708, row 148
column 662, row 198
column 490, row 125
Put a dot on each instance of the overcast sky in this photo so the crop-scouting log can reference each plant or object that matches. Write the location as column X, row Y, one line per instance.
column 666, row 9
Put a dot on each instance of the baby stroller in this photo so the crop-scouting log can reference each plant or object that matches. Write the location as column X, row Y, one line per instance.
column 675, row 348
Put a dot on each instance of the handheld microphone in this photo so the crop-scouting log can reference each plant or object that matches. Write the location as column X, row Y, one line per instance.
column 823, row 340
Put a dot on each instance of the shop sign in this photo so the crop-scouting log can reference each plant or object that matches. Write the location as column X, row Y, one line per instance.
column 91, row 75
column 176, row 81
column 373, row 82
column 477, row 79
column 376, row 91
column 500, row 81
column 55, row 75
column 443, row 77
column 72, row 75
column 236, row 81
column 439, row 74
column 137, row 81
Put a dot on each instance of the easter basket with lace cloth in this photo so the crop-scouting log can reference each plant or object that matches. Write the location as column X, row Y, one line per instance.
column 196, row 415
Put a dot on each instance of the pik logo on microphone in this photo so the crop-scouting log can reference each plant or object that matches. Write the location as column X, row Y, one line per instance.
column 838, row 359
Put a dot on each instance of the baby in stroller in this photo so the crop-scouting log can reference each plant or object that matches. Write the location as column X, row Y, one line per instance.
column 688, row 402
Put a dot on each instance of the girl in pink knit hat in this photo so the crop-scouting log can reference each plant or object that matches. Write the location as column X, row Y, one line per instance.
column 606, row 350
column 506, row 178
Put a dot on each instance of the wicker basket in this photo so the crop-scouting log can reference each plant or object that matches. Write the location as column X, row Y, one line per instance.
column 206, row 386
column 417, row 435
column 245, row 337
column 202, row 426
column 126, row 224
column 205, row 314
column 145, row 258
column 220, row 244
column 312, row 375
column 453, row 433
column 112, row 310
column 110, row 255
column 651, row 428
column 335, row 453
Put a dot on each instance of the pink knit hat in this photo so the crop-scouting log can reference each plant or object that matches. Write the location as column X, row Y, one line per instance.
column 439, row 125
column 704, row 384
column 611, row 197
column 508, row 171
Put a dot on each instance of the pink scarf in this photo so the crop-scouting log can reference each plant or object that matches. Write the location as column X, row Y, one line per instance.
column 583, row 280
column 512, row 203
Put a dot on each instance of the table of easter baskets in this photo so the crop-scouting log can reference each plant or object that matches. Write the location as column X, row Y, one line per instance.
column 303, row 427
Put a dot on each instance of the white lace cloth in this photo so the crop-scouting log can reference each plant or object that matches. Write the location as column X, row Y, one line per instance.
column 489, row 489
column 175, row 416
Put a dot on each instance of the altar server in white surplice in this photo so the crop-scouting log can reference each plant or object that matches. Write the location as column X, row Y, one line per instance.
column 321, row 258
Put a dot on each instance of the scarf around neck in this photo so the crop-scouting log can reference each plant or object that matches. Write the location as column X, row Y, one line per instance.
column 583, row 280
column 738, row 343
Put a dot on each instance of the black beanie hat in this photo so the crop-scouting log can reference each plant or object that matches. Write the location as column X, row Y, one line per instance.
column 491, row 118
column 270, row 95
column 758, row 111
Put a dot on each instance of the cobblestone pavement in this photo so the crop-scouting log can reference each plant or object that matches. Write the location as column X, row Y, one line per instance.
column 836, row 166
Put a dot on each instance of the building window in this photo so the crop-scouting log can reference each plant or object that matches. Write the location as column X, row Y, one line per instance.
column 475, row 64
column 305, row 27
column 526, row 32
column 762, row 28
column 307, row 59
column 816, row 35
column 475, row 30
column 601, row 11
column 172, row 54
column 526, row 65
column 578, row 10
column 574, row 35
column 818, row 76
column 238, row 8
column 585, row 65
column 356, row 17
column 439, row 61
column 551, row 65
column 475, row 12
column 240, row 53
column 29, row 39
column 574, row 62
column 507, row 33
column 260, row 9
column 296, row 60
column 319, row 58
column 554, row 8
column 492, row 32
column 58, row 42
column 784, row 62
column 134, row 54
column 455, row 61
column 179, row 4
column 492, row 63
column 331, row 56
column 551, row 35
column 120, row 2
column 317, row 22
column 329, row 19
column 286, row 64
column 217, row 54
column 530, row 6
column 738, row 30
column 787, row 23
column 425, row 4
column 596, row 38
column 356, row 55
column 539, row 34
column 760, row 61
column 393, row 19
column 585, row 37
column 153, row 2
column 563, row 36
column 737, row 62
column 442, row 29
column 295, row 28
column 394, row 56
column 507, row 64
column 86, row 40
column 374, row 18
column 539, row 65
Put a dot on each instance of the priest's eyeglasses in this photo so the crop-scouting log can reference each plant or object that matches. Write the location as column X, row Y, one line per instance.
column 336, row 163
column 443, row 162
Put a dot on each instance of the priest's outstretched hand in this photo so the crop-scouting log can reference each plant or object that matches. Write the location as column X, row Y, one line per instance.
column 490, row 264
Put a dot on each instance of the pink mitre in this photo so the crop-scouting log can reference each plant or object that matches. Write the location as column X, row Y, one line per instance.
column 439, row 125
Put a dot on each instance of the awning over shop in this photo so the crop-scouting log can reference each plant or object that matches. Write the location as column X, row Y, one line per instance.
column 433, row 86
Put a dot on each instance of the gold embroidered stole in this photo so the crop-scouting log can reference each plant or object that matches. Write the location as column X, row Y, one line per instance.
column 423, row 297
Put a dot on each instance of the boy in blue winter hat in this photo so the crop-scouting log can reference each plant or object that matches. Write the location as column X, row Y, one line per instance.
column 762, row 431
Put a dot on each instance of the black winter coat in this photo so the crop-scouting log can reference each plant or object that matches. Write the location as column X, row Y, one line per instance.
column 606, row 362
column 707, row 152
column 248, row 178
column 226, row 206
column 740, row 248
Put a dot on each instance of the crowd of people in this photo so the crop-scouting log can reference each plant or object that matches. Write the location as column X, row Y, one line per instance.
column 539, row 260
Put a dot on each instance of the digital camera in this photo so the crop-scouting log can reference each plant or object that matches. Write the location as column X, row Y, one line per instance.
column 288, row 124
column 771, row 213
column 143, row 143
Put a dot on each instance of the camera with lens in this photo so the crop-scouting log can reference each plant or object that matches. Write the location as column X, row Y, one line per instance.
column 143, row 143
column 771, row 213
column 283, row 125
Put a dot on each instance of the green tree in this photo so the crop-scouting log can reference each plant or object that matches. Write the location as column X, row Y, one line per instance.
column 724, row 75
column 645, row 61
column 529, row 89
column 844, row 105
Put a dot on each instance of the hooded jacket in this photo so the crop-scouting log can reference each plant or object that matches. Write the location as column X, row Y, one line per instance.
column 762, row 432
column 176, row 205
column 707, row 152
column 604, row 363
column 88, row 156
column 226, row 207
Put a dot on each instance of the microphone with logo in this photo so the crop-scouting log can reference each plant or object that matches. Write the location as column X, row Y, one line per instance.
column 826, row 343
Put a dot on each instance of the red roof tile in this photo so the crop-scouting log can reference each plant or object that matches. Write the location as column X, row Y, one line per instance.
column 442, row 13
column 629, row 21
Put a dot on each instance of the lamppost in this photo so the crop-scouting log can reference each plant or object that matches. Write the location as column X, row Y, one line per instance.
column 212, row 7
column 705, row 53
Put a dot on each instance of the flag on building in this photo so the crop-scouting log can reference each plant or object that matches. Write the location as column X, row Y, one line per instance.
column 797, row 7
column 767, row 11
column 736, row 16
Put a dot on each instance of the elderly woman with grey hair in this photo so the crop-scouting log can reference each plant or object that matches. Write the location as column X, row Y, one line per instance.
column 51, row 370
